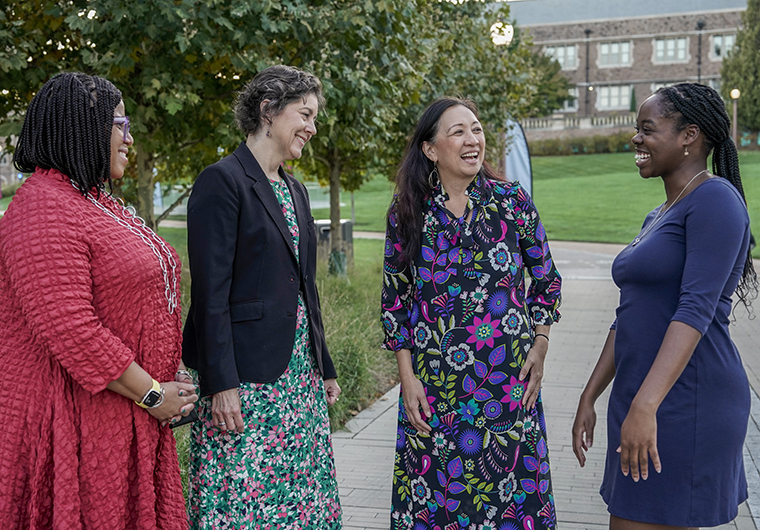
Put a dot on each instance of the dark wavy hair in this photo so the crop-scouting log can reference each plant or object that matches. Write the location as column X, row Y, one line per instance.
column 68, row 127
column 281, row 85
column 412, row 186
column 691, row 103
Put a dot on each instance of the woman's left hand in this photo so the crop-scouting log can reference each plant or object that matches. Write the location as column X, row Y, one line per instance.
column 638, row 443
column 332, row 391
column 534, row 370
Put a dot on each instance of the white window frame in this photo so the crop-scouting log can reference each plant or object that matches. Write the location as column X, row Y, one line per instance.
column 613, row 48
column 561, row 58
column 613, row 97
column 667, row 45
column 721, row 38
column 571, row 104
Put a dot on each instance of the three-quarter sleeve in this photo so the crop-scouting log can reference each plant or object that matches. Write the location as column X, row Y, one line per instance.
column 544, row 294
column 398, row 289
column 717, row 235
column 50, row 273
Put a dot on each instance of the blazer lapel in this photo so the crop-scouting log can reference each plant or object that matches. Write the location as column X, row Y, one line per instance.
column 264, row 191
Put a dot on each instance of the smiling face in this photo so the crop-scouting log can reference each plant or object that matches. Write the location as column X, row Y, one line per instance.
column 119, row 147
column 459, row 146
column 659, row 144
column 294, row 126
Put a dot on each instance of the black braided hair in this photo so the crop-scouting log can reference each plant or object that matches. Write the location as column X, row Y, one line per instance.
column 692, row 103
column 68, row 127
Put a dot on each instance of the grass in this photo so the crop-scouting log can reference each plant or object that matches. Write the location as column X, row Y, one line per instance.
column 602, row 198
column 371, row 203
column 599, row 198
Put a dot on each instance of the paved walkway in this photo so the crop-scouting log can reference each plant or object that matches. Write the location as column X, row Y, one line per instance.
column 364, row 451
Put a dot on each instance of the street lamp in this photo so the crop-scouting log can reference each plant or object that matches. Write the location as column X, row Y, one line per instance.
column 700, row 27
column 589, row 88
column 502, row 34
column 734, row 129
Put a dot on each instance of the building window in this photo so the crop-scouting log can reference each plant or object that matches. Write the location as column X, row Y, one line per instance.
column 571, row 103
column 615, row 54
column 670, row 50
column 721, row 46
column 616, row 97
column 565, row 55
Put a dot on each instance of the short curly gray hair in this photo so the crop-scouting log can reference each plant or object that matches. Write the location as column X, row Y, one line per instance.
column 281, row 85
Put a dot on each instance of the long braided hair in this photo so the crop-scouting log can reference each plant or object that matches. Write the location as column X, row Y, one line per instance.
column 412, row 185
column 691, row 103
column 68, row 127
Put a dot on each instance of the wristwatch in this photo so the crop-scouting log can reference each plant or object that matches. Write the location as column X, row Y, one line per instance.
column 153, row 398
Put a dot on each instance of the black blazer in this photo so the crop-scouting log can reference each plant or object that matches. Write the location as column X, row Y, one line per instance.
column 245, row 278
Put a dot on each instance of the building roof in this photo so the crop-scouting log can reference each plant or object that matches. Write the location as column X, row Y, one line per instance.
column 540, row 12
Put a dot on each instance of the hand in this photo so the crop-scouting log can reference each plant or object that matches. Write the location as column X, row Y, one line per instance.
column 414, row 400
column 638, row 442
column 534, row 370
column 332, row 391
column 583, row 430
column 225, row 411
column 178, row 401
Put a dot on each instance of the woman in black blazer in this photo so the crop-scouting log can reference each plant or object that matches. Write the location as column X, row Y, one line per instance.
column 261, row 452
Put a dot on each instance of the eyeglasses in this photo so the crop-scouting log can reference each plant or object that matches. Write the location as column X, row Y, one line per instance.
column 122, row 122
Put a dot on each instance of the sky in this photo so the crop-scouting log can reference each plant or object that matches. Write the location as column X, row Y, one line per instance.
column 531, row 12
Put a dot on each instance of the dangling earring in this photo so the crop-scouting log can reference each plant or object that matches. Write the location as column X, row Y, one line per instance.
column 433, row 178
column 269, row 132
column 685, row 151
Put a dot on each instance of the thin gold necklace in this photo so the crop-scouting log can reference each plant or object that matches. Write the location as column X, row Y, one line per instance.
column 661, row 213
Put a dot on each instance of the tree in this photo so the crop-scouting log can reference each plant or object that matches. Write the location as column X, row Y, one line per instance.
column 368, row 62
column 741, row 68
column 179, row 63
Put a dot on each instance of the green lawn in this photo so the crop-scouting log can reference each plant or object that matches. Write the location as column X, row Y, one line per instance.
column 598, row 198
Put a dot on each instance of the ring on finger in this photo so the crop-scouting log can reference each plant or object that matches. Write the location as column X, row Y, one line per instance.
column 222, row 423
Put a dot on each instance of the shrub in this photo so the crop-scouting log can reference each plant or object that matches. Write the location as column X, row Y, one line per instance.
column 619, row 142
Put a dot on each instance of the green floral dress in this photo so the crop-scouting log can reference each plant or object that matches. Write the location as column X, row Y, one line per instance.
column 279, row 473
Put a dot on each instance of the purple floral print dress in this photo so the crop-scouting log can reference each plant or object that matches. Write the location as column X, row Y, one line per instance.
column 279, row 474
column 463, row 311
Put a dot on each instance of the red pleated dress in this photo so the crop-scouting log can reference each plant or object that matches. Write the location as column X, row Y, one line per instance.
column 81, row 297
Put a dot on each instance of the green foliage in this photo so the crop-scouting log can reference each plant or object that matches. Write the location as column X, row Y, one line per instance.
column 741, row 69
column 599, row 143
column 179, row 62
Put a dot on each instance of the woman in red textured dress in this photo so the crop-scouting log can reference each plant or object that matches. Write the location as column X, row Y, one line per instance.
column 91, row 335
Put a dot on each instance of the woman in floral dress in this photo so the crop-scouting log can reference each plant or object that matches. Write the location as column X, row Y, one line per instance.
column 470, row 342
column 261, row 456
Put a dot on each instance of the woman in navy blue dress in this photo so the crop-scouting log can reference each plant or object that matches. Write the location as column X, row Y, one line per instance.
column 678, row 410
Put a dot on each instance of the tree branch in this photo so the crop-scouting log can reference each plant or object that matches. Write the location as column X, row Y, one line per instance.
column 176, row 203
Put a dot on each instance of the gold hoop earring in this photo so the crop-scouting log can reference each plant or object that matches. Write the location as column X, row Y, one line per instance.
column 433, row 178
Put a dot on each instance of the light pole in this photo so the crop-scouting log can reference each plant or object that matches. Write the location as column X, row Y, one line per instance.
column 700, row 27
column 588, row 85
column 734, row 128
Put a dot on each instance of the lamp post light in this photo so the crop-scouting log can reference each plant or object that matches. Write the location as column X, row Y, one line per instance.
column 502, row 34
column 700, row 27
column 734, row 128
column 589, row 88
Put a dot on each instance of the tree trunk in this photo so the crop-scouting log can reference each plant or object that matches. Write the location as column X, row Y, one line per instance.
column 337, row 260
column 145, row 187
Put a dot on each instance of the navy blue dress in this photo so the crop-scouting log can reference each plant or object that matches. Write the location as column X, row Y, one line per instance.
column 685, row 269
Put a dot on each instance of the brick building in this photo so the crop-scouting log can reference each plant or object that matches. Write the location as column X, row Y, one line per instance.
column 616, row 53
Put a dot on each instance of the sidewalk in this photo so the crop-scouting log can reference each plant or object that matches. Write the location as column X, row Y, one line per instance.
column 364, row 451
